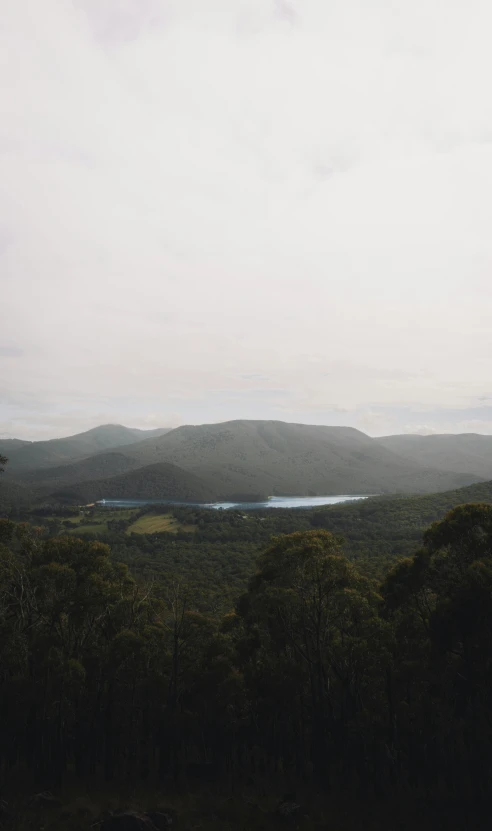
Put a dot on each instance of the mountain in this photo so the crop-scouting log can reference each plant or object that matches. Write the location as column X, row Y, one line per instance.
column 140, row 435
column 464, row 453
column 246, row 459
column 9, row 446
column 99, row 466
column 41, row 454
column 160, row 481
column 277, row 458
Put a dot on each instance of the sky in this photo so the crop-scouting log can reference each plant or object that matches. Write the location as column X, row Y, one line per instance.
column 219, row 209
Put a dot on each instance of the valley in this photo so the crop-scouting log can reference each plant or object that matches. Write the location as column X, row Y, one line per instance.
column 137, row 586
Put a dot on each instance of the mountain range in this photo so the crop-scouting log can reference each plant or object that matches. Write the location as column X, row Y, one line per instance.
column 33, row 455
column 238, row 460
column 462, row 453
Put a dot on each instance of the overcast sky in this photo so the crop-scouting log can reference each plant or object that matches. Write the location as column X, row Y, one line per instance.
column 215, row 209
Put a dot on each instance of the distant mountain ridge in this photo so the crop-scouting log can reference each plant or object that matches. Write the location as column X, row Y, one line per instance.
column 8, row 445
column 100, row 466
column 243, row 457
column 24, row 456
column 281, row 458
column 160, row 481
column 463, row 452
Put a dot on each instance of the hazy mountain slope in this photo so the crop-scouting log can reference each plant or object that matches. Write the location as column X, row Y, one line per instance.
column 160, row 481
column 100, row 466
column 35, row 455
column 14, row 496
column 8, row 446
column 279, row 458
column 465, row 452
column 141, row 435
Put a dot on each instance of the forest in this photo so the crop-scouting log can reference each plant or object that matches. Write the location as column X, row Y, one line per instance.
column 304, row 678
column 217, row 551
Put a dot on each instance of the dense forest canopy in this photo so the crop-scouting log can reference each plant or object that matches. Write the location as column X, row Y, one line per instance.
column 316, row 673
column 219, row 549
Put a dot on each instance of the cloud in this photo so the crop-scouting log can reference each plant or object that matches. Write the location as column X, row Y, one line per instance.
column 195, row 193
column 11, row 352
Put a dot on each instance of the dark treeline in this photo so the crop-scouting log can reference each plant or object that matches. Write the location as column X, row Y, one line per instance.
column 318, row 675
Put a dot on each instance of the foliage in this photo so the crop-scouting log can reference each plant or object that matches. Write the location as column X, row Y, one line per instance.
column 218, row 549
column 158, row 481
column 317, row 673
column 382, row 530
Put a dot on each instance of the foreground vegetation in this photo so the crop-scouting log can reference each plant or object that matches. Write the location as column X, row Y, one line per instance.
column 218, row 550
column 215, row 663
column 317, row 678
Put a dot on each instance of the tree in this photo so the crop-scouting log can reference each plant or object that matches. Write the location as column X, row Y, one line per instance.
column 318, row 622
column 440, row 603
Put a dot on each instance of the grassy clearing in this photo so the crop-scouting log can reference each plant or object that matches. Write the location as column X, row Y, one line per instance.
column 119, row 514
column 102, row 517
column 148, row 524
column 76, row 520
column 100, row 528
column 157, row 524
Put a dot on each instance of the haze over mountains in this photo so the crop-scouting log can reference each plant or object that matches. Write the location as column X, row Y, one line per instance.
column 25, row 455
column 239, row 460
column 464, row 453
column 160, row 481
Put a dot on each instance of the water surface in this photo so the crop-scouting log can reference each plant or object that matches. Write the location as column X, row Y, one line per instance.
column 273, row 502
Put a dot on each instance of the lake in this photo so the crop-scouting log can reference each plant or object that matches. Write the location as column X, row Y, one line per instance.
column 273, row 502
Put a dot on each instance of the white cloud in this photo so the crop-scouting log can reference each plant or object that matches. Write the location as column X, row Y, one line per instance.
column 196, row 192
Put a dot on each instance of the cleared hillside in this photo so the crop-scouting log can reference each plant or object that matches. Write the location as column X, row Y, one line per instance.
column 465, row 452
column 160, row 481
column 277, row 458
column 41, row 454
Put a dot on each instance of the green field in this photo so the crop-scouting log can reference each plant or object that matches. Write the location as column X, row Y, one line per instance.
column 100, row 528
column 156, row 524
column 96, row 523
column 81, row 526
column 106, row 514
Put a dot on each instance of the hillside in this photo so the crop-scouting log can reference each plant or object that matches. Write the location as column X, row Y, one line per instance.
column 159, row 481
column 100, row 466
column 465, row 452
column 381, row 530
column 277, row 458
column 41, row 454
column 8, row 446
column 14, row 496
column 246, row 459
column 219, row 548
column 378, row 532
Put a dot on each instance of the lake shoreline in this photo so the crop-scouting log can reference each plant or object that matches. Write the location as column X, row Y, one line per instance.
column 271, row 503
